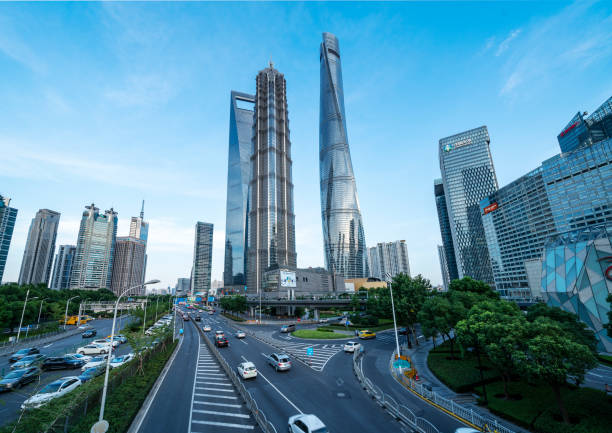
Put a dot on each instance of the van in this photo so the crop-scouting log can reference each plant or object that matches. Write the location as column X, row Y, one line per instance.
column 287, row 328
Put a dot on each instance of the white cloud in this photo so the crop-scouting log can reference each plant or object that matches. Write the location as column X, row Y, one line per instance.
column 143, row 91
column 12, row 45
column 506, row 42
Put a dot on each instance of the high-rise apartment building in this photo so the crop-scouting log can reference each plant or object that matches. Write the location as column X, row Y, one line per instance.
column 8, row 215
column 271, row 221
column 468, row 176
column 389, row 259
column 202, row 257
column 128, row 266
column 343, row 234
column 445, row 230
column 93, row 263
column 62, row 267
column 183, row 286
column 374, row 262
column 39, row 249
column 444, row 267
column 139, row 229
column 238, row 177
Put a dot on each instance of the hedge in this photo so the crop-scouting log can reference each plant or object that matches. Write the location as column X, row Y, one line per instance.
column 461, row 375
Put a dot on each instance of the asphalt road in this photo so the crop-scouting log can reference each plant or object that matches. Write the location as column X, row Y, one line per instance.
column 10, row 402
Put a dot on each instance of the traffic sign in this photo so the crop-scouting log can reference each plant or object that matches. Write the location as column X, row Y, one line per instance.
column 310, row 351
column 401, row 363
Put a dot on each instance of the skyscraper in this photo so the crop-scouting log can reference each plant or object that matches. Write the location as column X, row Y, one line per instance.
column 443, row 267
column 468, row 176
column 238, row 178
column 93, row 263
column 271, row 221
column 139, row 229
column 8, row 215
column 343, row 235
column 183, row 286
column 202, row 257
column 445, row 230
column 62, row 267
column 389, row 259
column 128, row 266
column 39, row 249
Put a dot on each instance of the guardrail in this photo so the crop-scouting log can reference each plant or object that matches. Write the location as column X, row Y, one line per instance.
column 31, row 338
column 260, row 417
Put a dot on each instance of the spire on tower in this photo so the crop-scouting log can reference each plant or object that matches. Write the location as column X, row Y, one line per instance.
column 142, row 211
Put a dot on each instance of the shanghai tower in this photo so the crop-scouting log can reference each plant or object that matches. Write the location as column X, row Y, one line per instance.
column 343, row 236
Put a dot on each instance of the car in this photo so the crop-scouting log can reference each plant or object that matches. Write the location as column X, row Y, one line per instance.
column 279, row 361
column 221, row 341
column 367, row 334
column 198, row 318
column 85, row 358
column 118, row 361
column 122, row 338
column 94, row 349
column 95, row 361
column 351, row 346
column 247, row 370
column 466, row 430
column 92, row 372
column 200, row 311
column 306, row 423
column 55, row 389
column 106, row 341
column 61, row 362
column 210, row 313
column 323, row 320
column 240, row 334
column 89, row 333
column 207, row 328
column 23, row 353
column 288, row 328
column 219, row 333
column 186, row 318
column 29, row 361
column 18, row 378
column 402, row 331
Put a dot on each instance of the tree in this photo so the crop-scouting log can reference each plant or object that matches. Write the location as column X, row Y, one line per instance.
column 441, row 313
column 468, row 284
column 409, row 294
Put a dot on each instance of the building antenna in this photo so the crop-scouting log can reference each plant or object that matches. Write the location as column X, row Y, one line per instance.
column 142, row 211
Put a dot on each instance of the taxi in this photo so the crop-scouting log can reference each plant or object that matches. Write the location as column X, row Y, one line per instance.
column 366, row 334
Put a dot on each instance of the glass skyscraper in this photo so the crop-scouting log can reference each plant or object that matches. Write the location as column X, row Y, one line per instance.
column 39, row 249
column 445, row 232
column 271, row 221
column 202, row 257
column 8, row 215
column 443, row 267
column 238, row 177
column 343, row 234
column 468, row 176
column 388, row 259
column 62, row 267
column 129, row 266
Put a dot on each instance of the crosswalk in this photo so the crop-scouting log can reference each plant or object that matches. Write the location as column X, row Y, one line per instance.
column 321, row 353
column 387, row 337
column 215, row 404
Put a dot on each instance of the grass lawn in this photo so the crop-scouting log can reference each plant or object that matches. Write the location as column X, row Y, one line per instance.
column 605, row 359
column 461, row 375
column 318, row 335
column 382, row 325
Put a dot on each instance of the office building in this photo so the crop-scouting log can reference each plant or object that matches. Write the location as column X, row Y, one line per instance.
column 238, row 177
column 128, row 266
column 271, row 221
column 583, row 131
column 202, row 258
column 93, row 263
column 468, row 176
column 8, row 215
column 445, row 231
column 444, row 268
column 389, row 259
column 183, row 286
column 39, row 248
column 139, row 229
column 63, row 267
column 343, row 234
column 292, row 283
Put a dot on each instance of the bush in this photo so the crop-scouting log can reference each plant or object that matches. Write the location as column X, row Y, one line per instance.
column 605, row 359
column 461, row 375
column 325, row 329
column 364, row 320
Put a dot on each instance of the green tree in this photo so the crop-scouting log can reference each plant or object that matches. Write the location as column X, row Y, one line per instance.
column 409, row 294
column 469, row 285
column 441, row 313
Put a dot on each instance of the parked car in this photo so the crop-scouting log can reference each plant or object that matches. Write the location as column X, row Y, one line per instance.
column 207, row 328
column 29, row 361
column 287, row 328
column 61, row 363
column 279, row 361
column 18, row 378
column 323, row 320
column 366, row 334
column 240, row 334
column 55, row 389
column 23, row 353
column 85, row 358
column 247, row 370
column 351, row 346
column 92, row 372
column 118, row 361
column 95, row 361
column 106, row 341
column 306, row 423
column 94, row 349
column 89, row 333
column 221, row 341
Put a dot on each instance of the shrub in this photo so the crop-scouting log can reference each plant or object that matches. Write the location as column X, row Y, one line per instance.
column 461, row 375
column 325, row 329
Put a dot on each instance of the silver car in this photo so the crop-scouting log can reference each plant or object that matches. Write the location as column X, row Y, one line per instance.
column 279, row 361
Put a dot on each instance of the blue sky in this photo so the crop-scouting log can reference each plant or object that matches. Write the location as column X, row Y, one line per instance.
column 114, row 103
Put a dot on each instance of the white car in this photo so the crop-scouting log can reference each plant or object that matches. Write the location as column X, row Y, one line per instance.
column 240, row 334
column 247, row 370
column 107, row 341
column 219, row 332
column 306, row 423
column 94, row 349
column 55, row 389
column 118, row 361
column 207, row 328
column 466, row 430
column 95, row 361
column 351, row 346
column 85, row 358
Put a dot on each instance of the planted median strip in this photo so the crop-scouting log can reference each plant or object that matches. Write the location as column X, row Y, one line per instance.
column 316, row 334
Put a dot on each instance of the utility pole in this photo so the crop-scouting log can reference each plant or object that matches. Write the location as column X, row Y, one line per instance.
column 393, row 310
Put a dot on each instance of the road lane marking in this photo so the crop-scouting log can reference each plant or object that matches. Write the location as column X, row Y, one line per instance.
column 228, row 397
column 210, row 374
column 235, row 406
column 194, row 380
column 44, row 347
column 207, row 388
column 593, row 374
column 225, row 424
column 208, row 369
column 215, row 383
column 214, row 412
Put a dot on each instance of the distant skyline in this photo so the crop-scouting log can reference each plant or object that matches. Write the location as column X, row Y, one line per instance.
column 113, row 103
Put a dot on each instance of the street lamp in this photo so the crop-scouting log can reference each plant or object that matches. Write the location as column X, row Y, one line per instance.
column 144, row 321
column 393, row 311
column 66, row 313
column 22, row 313
column 112, row 337
column 40, row 310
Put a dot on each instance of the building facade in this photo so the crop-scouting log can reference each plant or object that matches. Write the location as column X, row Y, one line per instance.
column 139, row 229
column 292, row 283
column 39, row 248
column 271, row 221
column 8, row 215
column 343, row 234
column 182, row 286
column 62, row 267
column 585, row 130
column 238, row 177
column 93, row 262
column 128, row 266
column 389, row 259
column 445, row 231
column 468, row 176
column 202, row 257
column 444, row 267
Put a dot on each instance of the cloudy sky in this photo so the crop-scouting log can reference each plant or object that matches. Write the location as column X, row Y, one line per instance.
column 114, row 103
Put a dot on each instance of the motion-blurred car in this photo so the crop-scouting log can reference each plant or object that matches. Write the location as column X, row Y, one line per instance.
column 207, row 328
column 198, row 318
column 107, row 341
column 85, row 358
column 351, row 346
column 306, row 423
column 29, row 361
column 219, row 333
column 89, row 333
column 55, row 389
column 287, row 328
column 23, row 353
column 221, row 341
column 247, row 370
column 95, row 361
column 118, row 361
column 240, row 334
column 279, row 361
column 61, row 363
column 92, row 372
column 18, row 378
column 367, row 334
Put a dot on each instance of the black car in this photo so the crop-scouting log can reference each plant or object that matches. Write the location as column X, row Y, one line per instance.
column 18, row 378
column 92, row 372
column 198, row 318
column 22, row 353
column 62, row 362
column 221, row 341
column 89, row 333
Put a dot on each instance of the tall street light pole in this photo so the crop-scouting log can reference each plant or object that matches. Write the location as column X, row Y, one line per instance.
column 393, row 310
column 40, row 310
column 112, row 337
column 22, row 314
column 144, row 321
column 66, row 313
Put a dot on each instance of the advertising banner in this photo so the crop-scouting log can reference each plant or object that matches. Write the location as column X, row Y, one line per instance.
column 287, row 279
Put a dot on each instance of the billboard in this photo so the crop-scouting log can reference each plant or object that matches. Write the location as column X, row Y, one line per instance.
column 490, row 208
column 350, row 287
column 211, row 299
column 287, row 279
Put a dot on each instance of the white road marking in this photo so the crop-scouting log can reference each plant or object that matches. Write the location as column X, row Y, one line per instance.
column 214, row 383
column 214, row 412
column 228, row 397
column 236, row 406
column 44, row 347
column 593, row 374
column 225, row 424
column 194, row 381
column 207, row 388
